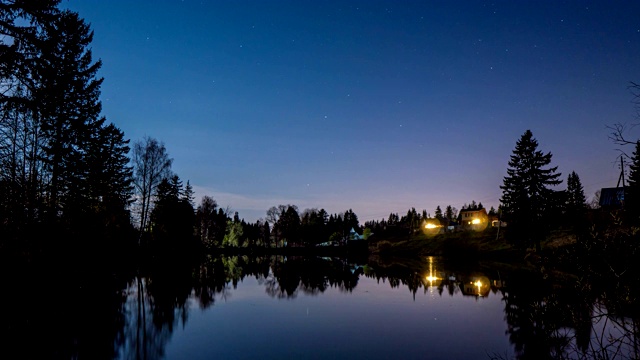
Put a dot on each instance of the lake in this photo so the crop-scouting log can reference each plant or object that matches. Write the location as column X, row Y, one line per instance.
column 283, row 307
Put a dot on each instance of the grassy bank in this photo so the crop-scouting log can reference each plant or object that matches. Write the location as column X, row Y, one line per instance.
column 486, row 245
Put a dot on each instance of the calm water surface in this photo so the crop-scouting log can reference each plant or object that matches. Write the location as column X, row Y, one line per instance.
column 240, row 307
column 326, row 308
column 371, row 321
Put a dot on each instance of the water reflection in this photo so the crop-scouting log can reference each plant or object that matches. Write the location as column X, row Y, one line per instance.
column 431, row 274
column 543, row 318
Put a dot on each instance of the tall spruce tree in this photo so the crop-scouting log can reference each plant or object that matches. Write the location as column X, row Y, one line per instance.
column 575, row 193
column 68, row 108
column 438, row 213
column 632, row 195
column 576, row 203
column 63, row 164
column 110, row 188
column 526, row 192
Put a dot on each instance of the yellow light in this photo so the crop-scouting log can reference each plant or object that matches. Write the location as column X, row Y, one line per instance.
column 431, row 278
column 430, row 226
column 478, row 284
column 475, row 221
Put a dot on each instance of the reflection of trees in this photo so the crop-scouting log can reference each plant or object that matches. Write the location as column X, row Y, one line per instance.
column 572, row 318
column 569, row 320
column 576, row 318
column 538, row 318
column 155, row 303
column 144, row 336
column 312, row 276
column 432, row 274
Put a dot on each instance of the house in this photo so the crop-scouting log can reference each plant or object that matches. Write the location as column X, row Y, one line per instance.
column 353, row 235
column 612, row 198
column 473, row 219
column 495, row 221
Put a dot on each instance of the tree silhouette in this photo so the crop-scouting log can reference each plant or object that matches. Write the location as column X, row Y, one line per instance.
column 289, row 225
column 438, row 213
column 60, row 163
column 632, row 196
column 526, row 193
column 172, row 217
column 576, row 201
column 151, row 164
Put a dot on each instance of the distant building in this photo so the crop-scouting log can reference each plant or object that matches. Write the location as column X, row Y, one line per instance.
column 612, row 198
column 496, row 223
column 353, row 235
column 473, row 219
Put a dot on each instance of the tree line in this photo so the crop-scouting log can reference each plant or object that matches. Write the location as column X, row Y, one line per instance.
column 65, row 169
column 66, row 172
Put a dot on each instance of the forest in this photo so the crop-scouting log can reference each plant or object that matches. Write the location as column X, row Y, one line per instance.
column 71, row 181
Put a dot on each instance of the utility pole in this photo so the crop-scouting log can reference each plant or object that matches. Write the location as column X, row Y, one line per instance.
column 621, row 178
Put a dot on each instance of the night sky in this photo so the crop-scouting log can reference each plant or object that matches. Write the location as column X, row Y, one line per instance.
column 377, row 106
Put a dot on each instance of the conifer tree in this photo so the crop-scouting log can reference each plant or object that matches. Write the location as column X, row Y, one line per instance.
column 67, row 93
column 188, row 194
column 575, row 193
column 109, row 176
column 632, row 192
column 172, row 217
column 449, row 213
column 438, row 213
column 64, row 163
column 576, row 203
column 526, row 192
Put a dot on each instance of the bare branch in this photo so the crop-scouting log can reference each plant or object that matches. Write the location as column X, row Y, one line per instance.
column 617, row 133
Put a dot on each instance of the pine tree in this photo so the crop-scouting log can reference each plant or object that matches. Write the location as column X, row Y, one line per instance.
column 438, row 213
column 576, row 200
column 172, row 217
column 65, row 163
column 632, row 191
column 525, row 191
column 449, row 213
column 188, row 194
column 576, row 203
column 109, row 177
column 67, row 92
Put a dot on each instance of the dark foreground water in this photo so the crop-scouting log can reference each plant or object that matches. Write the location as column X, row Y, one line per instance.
column 319, row 308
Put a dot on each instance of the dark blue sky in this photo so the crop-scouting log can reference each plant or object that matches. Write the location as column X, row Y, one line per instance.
column 378, row 106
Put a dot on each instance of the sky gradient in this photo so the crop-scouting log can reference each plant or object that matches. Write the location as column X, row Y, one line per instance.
column 377, row 106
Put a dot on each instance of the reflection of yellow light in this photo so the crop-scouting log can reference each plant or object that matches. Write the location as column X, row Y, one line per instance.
column 478, row 284
column 430, row 226
column 475, row 221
